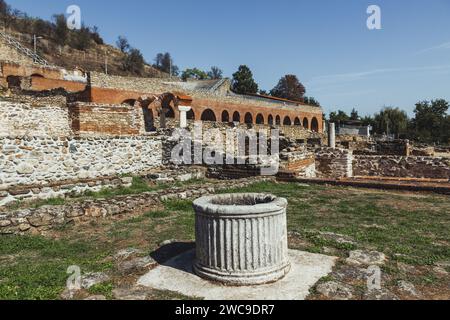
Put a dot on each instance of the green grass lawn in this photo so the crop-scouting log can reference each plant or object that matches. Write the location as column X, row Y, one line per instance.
column 411, row 228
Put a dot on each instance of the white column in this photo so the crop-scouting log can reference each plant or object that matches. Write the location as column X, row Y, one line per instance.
column 183, row 115
column 332, row 135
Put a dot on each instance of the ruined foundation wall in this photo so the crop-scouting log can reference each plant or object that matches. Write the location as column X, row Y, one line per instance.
column 403, row 167
column 22, row 119
column 334, row 163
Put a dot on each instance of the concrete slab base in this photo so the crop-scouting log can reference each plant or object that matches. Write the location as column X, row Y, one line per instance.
column 177, row 275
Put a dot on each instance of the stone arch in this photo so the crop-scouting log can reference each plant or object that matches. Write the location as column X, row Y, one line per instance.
column 287, row 121
column 305, row 123
column 297, row 121
column 259, row 119
column 225, row 116
column 129, row 102
column 270, row 120
column 248, row 118
column 314, row 125
column 236, row 117
column 208, row 115
column 278, row 120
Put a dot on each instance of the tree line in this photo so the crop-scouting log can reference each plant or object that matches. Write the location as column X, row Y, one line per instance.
column 430, row 124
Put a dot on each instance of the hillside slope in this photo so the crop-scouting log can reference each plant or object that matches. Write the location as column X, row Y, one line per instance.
column 96, row 58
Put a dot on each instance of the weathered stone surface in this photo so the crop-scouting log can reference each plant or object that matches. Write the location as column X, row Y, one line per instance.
column 133, row 293
column 335, row 290
column 97, row 297
column 241, row 239
column 91, row 279
column 408, row 288
column 136, row 265
column 382, row 294
column 339, row 238
column 127, row 253
column 367, row 258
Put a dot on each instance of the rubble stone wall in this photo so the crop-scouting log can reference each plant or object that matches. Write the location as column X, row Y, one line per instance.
column 29, row 166
column 334, row 163
column 402, row 166
column 24, row 119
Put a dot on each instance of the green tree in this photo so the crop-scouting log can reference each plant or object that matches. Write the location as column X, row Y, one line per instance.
column 243, row 82
column 354, row 115
column 123, row 44
column 289, row 87
column 391, row 120
column 164, row 63
column 430, row 121
column 215, row 73
column 82, row 38
column 194, row 73
column 134, row 62
column 311, row 101
column 339, row 116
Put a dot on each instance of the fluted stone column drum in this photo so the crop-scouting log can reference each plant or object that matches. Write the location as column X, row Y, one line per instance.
column 241, row 239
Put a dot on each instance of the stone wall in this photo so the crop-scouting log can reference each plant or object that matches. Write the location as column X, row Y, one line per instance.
column 403, row 167
column 40, row 220
column 30, row 164
column 8, row 53
column 334, row 163
column 19, row 119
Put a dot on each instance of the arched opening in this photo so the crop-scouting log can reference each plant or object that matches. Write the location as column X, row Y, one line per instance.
column 37, row 75
column 270, row 120
column 149, row 120
column 236, row 117
column 259, row 119
column 248, row 118
column 225, row 116
column 170, row 113
column 315, row 125
column 208, row 115
column 190, row 115
column 129, row 102
column 14, row 82
column 287, row 121
column 305, row 123
column 278, row 120
column 297, row 122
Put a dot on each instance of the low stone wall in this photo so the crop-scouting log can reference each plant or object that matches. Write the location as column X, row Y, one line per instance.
column 301, row 164
column 24, row 119
column 42, row 219
column 334, row 163
column 403, row 167
column 37, row 162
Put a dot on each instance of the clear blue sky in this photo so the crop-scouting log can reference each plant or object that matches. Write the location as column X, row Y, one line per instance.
column 324, row 42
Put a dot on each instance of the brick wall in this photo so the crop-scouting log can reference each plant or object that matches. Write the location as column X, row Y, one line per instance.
column 40, row 84
column 92, row 119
